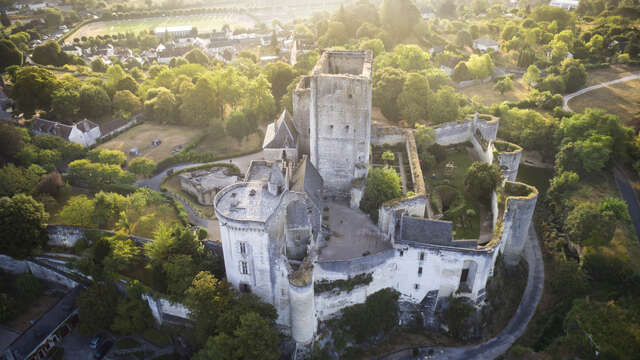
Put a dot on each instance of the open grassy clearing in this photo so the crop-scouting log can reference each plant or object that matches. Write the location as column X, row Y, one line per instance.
column 229, row 145
column 446, row 189
column 489, row 96
column 204, row 23
column 141, row 136
column 597, row 76
column 622, row 99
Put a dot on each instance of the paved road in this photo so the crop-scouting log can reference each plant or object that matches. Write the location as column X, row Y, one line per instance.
column 629, row 196
column 568, row 97
column 498, row 345
column 212, row 226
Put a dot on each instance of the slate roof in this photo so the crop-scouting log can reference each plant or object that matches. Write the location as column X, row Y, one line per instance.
column 307, row 179
column 486, row 41
column 112, row 125
column 426, row 231
column 43, row 126
column 281, row 134
column 297, row 215
column 37, row 332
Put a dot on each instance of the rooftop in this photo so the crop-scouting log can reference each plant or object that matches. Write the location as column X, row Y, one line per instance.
column 353, row 235
column 345, row 62
column 248, row 201
column 214, row 178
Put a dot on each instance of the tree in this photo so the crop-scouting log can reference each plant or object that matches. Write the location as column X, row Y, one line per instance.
column 97, row 65
column 388, row 84
column 279, row 75
column 444, row 106
column 53, row 17
column 163, row 107
column 526, row 57
column 256, row 338
column 132, row 315
column 197, row 109
column 33, row 89
column 414, row 99
column 14, row 180
column 553, row 83
column 97, row 306
column 237, row 126
column 532, row 76
column 480, row 66
column 463, row 38
column 93, row 102
column 258, row 102
column 196, row 56
column 206, row 299
column 574, row 75
column 12, row 141
column 336, row 35
column 388, row 156
column 9, row 54
column 49, row 53
column 51, row 183
column 4, row 19
column 378, row 315
column 589, row 225
column 180, row 270
column 375, row 45
column 482, row 179
column 425, row 137
column 125, row 101
column 22, row 225
column 504, row 85
column 124, row 252
column 399, row 17
column 78, row 211
column 142, row 166
column 461, row 72
column 106, row 156
column 383, row 184
column 127, row 83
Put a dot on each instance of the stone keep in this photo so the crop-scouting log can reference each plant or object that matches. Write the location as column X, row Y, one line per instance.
column 340, row 118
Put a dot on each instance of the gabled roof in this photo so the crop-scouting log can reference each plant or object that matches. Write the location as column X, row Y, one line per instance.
column 426, row 231
column 86, row 125
column 281, row 134
column 307, row 179
column 112, row 125
column 486, row 41
column 43, row 126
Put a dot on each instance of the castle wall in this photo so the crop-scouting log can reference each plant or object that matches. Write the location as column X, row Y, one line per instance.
column 301, row 102
column 441, row 271
column 517, row 220
column 303, row 320
column 453, row 133
column 381, row 266
column 276, row 154
column 509, row 162
column 340, row 129
column 414, row 206
column 65, row 236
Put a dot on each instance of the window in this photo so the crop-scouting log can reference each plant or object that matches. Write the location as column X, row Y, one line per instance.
column 420, row 271
column 244, row 267
column 464, row 275
column 416, row 286
column 421, row 256
column 243, row 248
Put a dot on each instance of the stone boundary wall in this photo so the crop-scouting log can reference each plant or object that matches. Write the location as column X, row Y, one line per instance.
column 14, row 266
column 67, row 236
column 520, row 203
column 509, row 161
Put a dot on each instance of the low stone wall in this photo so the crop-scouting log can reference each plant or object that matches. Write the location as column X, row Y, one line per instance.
column 414, row 206
column 453, row 132
column 67, row 236
column 14, row 266
column 389, row 135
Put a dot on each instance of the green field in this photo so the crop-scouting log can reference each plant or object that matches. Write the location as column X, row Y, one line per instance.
column 204, row 24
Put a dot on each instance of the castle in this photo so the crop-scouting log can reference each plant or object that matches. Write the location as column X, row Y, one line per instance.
column 291, row 230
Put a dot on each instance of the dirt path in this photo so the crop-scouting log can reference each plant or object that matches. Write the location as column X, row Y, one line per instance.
column 568, row 97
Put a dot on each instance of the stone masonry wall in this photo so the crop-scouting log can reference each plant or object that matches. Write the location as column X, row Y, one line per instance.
column 517, row 220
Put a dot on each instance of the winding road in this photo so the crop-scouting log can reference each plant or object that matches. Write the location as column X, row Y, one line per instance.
column 568, row 97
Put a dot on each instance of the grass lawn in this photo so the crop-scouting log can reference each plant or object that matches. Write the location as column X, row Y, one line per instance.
column 141, row 136
column 622, row 99
column 612, row 72
column 489, row 96
column 173, row 186
column 229, row 145
column 127, row 343
column 447, row 190
column 204, row 23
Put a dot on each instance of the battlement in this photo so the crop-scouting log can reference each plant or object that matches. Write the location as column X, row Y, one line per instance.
column 344, row 62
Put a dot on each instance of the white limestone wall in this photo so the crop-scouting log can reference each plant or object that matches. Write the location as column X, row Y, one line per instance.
column 356, row 197
column 255, row 237
column 303, row 319
column 509, row 162
column 47, row 274
column 340, row 125
column 441, row 271
column 381, row 266
column 301, row 102
column 517, row 220
column 154, row 307
column 174, row 309
column 382, row 135
column 65, row 236
column 12, row 265
column 414, row 206
column 453, row 133
column 276, row 154
column 482, row 154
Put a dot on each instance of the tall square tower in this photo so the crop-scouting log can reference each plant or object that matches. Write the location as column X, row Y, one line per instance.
column 340, row 118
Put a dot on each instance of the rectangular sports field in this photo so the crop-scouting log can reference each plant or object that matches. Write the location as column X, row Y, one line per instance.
column 204, row 23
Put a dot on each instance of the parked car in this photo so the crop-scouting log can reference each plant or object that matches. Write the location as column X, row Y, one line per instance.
column 96, row 341
column 103, row 349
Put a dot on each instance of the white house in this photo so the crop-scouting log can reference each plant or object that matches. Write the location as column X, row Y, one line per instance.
column 485, row 43
column 84, row 132
column 565, row 4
